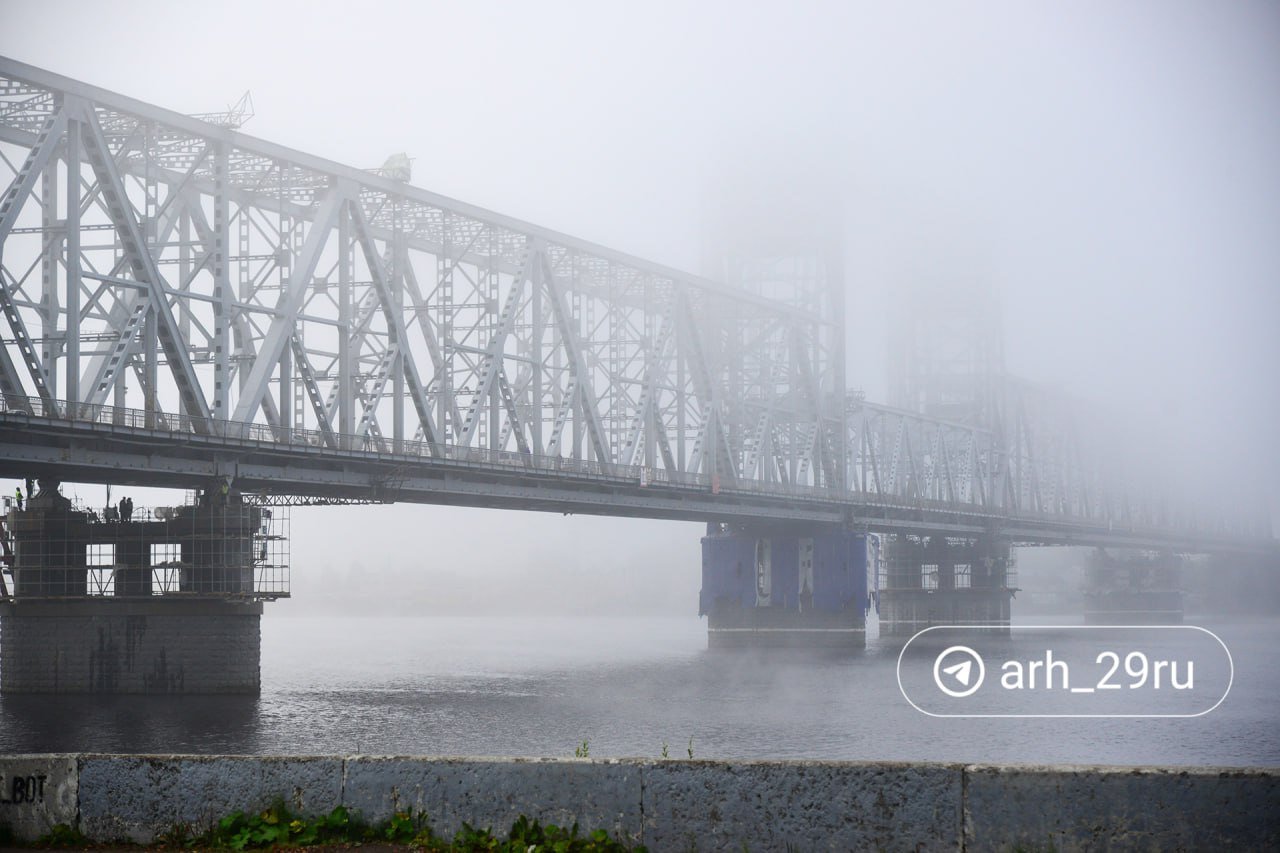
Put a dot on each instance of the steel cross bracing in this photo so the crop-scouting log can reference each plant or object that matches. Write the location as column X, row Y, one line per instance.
column 181, row 301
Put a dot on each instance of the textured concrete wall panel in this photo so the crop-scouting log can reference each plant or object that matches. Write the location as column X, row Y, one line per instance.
column 1084, row 808
column 809, row 805
column 139, row 797
column 494, row 792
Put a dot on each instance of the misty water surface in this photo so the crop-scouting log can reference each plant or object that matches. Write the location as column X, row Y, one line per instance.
column 488, row 686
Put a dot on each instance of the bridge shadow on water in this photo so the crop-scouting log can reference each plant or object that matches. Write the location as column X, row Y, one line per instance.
column 147, row 724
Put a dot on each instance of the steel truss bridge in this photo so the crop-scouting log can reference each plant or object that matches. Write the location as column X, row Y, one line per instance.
column 184, row 302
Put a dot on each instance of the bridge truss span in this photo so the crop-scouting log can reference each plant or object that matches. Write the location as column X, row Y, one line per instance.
column 214, row 277
column 184, row 301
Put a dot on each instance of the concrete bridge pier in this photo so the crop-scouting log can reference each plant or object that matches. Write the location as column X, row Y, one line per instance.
column 784, row 586
column 160, row 603
column 1133, row 588
column 942, row 580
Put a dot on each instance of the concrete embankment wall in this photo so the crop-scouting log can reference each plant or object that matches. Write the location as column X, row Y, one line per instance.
column 669, row 805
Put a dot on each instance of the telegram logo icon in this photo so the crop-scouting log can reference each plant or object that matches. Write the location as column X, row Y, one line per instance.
column 959, row 671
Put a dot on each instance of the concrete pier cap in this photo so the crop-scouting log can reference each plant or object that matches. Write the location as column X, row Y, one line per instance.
column 666, row 805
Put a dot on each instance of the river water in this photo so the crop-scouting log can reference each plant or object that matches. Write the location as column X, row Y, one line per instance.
column 628, row 687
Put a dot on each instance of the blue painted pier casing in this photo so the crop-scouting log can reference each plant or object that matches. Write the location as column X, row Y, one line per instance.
column 790, row 589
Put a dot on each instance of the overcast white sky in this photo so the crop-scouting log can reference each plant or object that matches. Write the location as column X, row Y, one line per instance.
column 1111, row 168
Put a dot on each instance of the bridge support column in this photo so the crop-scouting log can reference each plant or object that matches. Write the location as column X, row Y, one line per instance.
column 940, row 580
column 151, row 604
column 778, row 586
column 130, row 646
column 1133, row 588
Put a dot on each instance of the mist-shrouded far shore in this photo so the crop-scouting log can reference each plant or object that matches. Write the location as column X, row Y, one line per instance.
column 496, row 563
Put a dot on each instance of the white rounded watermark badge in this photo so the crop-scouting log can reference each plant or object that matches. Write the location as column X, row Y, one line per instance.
column 1065, row 671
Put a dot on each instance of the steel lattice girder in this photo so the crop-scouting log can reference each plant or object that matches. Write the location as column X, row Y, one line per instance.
column 523, row 339
column 240, row 282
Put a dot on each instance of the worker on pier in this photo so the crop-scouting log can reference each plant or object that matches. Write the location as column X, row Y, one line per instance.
column 17, row 493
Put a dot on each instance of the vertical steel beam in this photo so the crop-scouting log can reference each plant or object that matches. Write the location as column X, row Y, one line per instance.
column 11, row 202
column 285, row 389
column 186, row 234
column 307, row 378
column 444, row 328
column 422, row 310
column 346, row 328
column 537, row 362
column 51, row 234
column 143, row 266
column 221, row 268
column 590, row 409
column 499, row 328
column 491, row 369
column 395, row 321
column 836, row 395
column 578, row 431
column 399, row 257
column 284, row 323
column 93, row 388
column 151, row 373
column 73, row 262
column 681, row 303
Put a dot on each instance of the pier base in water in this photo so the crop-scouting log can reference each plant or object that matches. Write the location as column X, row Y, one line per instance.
column 130, row 646
column 939, row 580
column 1133, row 588
column 730, row 628
column 148, row 602
column 772, row 587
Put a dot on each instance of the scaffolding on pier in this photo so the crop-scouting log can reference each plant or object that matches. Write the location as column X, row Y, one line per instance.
column 216, row 548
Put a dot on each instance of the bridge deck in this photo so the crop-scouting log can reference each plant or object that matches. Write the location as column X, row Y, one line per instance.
column 129, row 452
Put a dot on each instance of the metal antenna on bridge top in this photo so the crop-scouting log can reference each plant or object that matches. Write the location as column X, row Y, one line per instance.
column 234, row 116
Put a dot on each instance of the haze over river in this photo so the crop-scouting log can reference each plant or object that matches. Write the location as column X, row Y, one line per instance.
column 541, row 686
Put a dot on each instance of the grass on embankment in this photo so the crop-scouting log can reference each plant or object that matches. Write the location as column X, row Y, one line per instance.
column 278, row 827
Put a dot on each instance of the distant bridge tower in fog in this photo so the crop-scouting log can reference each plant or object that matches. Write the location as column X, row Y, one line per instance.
column 946, row 351
column 946, row 364
column 783, row 240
